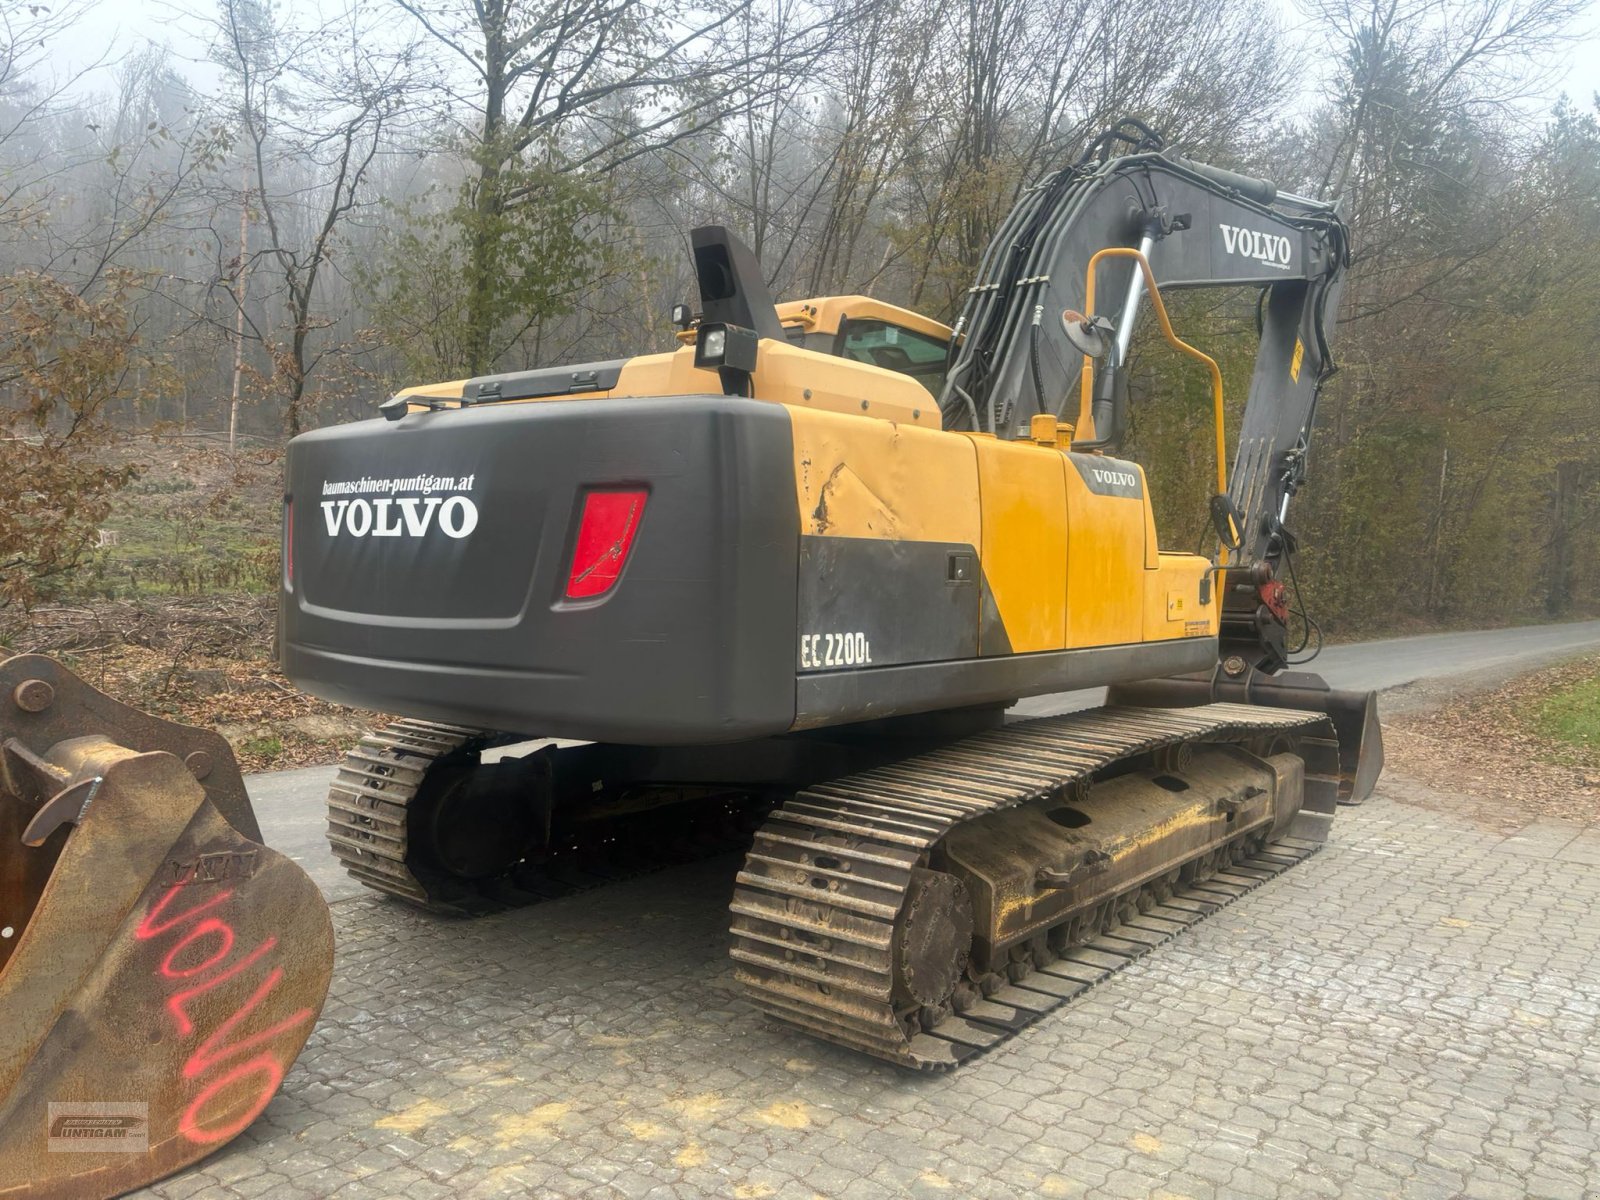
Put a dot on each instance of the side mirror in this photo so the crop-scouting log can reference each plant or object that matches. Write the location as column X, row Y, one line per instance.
column 1227, row 521
column 1093, row 336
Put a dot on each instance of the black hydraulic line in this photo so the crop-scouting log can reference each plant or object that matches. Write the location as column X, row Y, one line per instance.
column 1033, row 355
column 1307, row 622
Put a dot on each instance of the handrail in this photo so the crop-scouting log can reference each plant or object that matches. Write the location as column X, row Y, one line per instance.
column 1086, row 380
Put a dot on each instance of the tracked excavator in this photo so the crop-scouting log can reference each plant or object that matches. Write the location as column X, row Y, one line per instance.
column 778, row 587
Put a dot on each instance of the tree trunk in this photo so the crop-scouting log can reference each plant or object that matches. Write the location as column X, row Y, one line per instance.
column 489, row 200
column 1569, row 481
column 238, row 322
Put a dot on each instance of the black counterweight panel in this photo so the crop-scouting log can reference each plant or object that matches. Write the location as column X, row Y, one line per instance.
column 457, row 612
column 900, row 601
column 837, row 697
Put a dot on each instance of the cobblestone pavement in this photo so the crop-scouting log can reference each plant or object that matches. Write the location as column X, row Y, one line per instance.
column 1412, row 1012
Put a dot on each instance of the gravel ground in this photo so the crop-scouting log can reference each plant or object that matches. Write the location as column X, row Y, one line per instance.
column 1479, row 751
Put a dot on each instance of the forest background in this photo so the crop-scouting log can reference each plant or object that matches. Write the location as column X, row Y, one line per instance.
column 204, row 254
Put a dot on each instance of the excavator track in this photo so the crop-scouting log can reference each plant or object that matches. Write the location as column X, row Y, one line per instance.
column 838, row 873
column 372, row 810
column 370, row 798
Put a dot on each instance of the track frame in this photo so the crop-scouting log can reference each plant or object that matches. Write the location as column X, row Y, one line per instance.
column 827, row 887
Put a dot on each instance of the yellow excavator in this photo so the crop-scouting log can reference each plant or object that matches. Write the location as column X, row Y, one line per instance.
column 783, row 582
column 772, row 591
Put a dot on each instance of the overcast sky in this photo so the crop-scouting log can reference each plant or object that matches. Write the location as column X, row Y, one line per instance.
column 116, row 27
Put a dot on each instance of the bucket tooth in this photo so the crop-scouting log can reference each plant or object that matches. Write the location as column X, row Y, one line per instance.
column 160, row 968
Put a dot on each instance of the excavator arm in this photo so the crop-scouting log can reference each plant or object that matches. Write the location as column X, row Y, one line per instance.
column 1024, row 342
column 1197, row 226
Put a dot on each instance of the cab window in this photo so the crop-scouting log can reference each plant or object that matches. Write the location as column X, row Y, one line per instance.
column 895, row 348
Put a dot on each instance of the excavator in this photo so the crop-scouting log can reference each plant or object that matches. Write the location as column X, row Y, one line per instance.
column 779, row 586
column 775, row 591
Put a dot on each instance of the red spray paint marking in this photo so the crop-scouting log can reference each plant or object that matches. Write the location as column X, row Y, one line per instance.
column 148, row 928
column 219, row 1046
column 210, row 925
column 192, row 1128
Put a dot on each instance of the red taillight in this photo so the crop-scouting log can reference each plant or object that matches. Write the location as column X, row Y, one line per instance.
column 288, row 541
column 605, row 536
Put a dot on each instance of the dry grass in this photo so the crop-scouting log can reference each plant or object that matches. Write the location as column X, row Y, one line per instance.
column 204, row 661
column 178, row 616
column 1490, row 757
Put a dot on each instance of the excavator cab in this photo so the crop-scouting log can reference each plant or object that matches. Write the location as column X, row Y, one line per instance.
column 862, row 329
column 160, row 968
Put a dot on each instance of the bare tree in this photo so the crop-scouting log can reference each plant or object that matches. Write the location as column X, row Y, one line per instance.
column 1030, row 80
column 312, row 107
column 574, row 89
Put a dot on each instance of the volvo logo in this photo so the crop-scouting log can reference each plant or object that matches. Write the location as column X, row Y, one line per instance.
column 413, row 516
column 1268, row 249
column 1109, row 476
column 1115, row 478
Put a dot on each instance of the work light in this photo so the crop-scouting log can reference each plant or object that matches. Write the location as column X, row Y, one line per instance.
column 730, row 346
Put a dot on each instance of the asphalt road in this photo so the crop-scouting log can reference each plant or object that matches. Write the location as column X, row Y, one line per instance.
column 289, row 804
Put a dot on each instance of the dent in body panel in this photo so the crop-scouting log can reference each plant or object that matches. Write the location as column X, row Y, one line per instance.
column 858, row 477
column 850, row 489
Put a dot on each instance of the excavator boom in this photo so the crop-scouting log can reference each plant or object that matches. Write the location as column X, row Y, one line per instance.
column 1195, row 226
column 1021, row 351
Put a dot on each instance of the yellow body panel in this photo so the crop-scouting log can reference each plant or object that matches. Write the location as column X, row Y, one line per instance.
column 788, row 375
column 1025, row 540
column 1066, row 567
column 784, row 374
column 1172, row 605
column 437, row 391
column 1105, row 571
column 878, row 479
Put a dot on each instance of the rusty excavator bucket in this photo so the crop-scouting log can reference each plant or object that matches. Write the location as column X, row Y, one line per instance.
column 160, row 968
